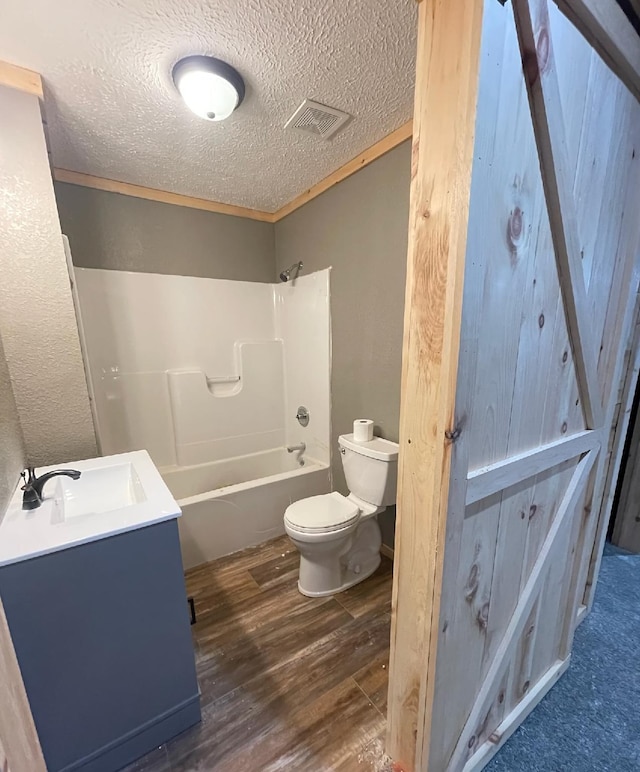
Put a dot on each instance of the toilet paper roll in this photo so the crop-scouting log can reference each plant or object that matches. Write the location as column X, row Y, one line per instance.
column 362, row 430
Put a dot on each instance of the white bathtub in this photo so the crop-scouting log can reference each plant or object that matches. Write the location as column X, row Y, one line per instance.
column 236, row 503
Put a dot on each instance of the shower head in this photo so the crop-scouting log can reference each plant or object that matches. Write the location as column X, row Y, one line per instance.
column 286, row 275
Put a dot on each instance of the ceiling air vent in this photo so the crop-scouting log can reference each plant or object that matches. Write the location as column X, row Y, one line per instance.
column 314, row 118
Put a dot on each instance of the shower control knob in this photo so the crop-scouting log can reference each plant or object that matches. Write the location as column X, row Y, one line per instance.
column 303, row 416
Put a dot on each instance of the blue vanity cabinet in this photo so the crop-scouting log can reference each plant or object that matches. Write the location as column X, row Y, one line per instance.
column 102, row 635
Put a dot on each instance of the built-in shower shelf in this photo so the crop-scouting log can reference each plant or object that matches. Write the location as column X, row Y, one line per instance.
column 223, row 379
column 234, row 415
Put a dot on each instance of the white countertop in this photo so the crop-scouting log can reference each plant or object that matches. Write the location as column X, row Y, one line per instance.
column 71, row 514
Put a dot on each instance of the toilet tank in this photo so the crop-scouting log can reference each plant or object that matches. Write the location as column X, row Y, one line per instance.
column 371, row 469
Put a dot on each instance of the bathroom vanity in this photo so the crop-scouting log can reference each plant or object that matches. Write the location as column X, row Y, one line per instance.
column 93, row 589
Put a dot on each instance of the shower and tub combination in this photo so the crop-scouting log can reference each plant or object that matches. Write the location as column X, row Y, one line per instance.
column 225, row 383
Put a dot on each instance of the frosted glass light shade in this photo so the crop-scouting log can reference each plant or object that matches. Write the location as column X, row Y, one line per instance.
column 211, row 88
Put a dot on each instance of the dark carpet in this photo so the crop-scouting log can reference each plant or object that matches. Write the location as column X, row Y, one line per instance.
column 591, row 719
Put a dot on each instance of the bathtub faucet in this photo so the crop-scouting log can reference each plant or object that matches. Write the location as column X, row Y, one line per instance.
column 299, row 449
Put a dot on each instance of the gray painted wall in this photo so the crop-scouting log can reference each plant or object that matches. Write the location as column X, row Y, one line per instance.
column 12, row 456
column 359, row 228
column 108, row 230
column 37, row 318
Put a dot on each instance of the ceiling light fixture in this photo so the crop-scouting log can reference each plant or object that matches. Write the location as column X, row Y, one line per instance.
column 210, row 87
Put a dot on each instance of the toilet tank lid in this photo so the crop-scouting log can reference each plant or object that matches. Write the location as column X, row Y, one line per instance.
column 383, row 450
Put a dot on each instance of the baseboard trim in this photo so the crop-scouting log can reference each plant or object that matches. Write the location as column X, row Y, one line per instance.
column 144, row 738
column 386, row 551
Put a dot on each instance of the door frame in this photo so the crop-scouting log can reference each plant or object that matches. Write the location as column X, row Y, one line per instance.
column 447, row 69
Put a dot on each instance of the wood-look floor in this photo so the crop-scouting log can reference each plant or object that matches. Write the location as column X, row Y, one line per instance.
column 288, row 682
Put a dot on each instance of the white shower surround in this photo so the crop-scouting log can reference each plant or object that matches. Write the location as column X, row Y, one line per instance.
column 158, row 348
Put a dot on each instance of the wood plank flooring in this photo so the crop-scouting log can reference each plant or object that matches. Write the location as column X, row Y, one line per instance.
column 288, row 682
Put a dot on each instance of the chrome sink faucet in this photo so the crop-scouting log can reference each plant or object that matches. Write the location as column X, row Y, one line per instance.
column 32, row 496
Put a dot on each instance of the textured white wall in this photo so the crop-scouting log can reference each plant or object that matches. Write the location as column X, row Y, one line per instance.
column 11, row 443
column 37, row 319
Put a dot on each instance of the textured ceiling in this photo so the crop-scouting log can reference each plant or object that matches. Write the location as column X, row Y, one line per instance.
column 112, row 109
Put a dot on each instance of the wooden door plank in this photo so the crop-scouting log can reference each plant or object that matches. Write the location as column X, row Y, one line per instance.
column 502, row 409
column 564, row 515
column 604, row 24
column 492, row 340
column 553, row 599
column 588, row 539
column 603, row 497
column 607, row 282
column 618, row 370
column 573, row 581
column 506, row 193
column 626, row 532
column 490, row 479
column 594, row 148
column 515, row 717
column 541, row 411
column 449, row 34
column 548, row 124
column 616, row 338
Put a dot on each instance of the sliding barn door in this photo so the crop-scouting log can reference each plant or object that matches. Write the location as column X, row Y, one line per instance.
column 488, row 593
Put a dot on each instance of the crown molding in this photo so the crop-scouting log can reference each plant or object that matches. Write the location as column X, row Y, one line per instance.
column 21, row 79
column 372, row 153
column 153, row 194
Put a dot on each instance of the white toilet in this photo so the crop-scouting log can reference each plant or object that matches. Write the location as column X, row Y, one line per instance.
column 338, row 537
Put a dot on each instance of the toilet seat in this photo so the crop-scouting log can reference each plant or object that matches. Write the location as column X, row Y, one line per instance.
column 322, row 514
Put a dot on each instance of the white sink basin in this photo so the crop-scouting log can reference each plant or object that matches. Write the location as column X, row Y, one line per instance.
column 98, row 491
column 113, row 494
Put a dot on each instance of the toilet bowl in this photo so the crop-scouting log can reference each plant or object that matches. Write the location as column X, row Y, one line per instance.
column 338, row 536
